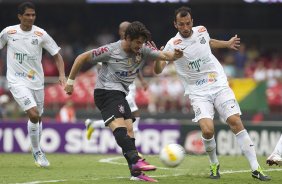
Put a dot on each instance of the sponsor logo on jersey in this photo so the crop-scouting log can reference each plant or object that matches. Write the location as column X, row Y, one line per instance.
column 38, row 33
column 211, row 78
column 34, row 41
column 30, row 74
column 126, row 73
column 202, row 41
column 99, row 51
column 13, row 31
column 202, row 29
column 15, row 39
column 195, row 65
column 176, row 42
column 184, row 47
column 20, row 57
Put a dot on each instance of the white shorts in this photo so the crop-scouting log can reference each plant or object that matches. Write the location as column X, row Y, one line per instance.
column 28, row 98
column 223, row 101
column 131, row 98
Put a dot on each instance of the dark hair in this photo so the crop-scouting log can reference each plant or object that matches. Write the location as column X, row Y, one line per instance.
column 25, row 5
column 137, row 29
column 184, row 11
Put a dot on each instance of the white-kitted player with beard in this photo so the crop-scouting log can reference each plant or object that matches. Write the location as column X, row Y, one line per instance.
column 25, row 73
column 207, row 87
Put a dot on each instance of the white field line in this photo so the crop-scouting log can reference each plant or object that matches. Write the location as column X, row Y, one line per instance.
column 112, row 160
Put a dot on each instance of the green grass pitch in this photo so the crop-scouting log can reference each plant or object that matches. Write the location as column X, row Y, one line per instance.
column 106, row 169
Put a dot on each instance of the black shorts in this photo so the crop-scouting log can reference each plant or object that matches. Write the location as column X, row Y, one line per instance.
column 112, row 104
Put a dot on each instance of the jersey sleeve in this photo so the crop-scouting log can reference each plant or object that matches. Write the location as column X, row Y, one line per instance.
column 3, row 38
column 149, row 52
column 101, row 54
column 168, row 47
column 49, row 44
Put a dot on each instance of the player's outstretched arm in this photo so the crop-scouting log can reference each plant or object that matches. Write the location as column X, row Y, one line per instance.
column 61, row 68
column 78, row 63
column 233, row 43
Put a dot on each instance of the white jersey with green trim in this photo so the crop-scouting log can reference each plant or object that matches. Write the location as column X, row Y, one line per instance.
column 24, row 54
column 119, row 69
column 198, row 69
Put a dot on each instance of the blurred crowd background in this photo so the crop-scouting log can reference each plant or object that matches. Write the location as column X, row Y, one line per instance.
column 77, row 26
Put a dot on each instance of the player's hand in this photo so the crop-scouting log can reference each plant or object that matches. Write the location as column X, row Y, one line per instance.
column 62, row 81
column 152, row 44
column 144, row 84
column 234, row 43
column 178, row 53
column 69, row 89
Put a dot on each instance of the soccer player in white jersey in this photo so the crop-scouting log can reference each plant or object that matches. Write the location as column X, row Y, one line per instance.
column 121, row 62
column 92, row 124
column 275, row 157
column 207, row 87
column 25, row 73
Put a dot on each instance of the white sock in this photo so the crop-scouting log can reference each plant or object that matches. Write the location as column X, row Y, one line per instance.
column 248, row 148
column 33, row 132
column 40, row 131
column 98, row 124
column 278, row 147
column 210, row 146
column 136, row 125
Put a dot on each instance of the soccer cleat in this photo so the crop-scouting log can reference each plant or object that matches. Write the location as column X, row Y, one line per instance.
column 142, row 165
column 274, row 159
column 143, row 177
column 258, row 174
column 214, row 171
column 89, row 128
column 40, row 159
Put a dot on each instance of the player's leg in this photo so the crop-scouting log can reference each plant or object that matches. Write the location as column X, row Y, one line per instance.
column 208, row 139
column 91, row 125
column 229, row 110
column 130, row 98
column 136, row 174
column 28, row 101
column 275, row 157
column 116, row 114
column 39, row 156
column 204, row 113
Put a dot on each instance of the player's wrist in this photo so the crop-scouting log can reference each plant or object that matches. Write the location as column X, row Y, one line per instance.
column 70, row 82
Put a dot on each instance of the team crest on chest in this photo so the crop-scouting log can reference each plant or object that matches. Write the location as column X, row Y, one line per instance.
column 202, row 41
column 34, row 41
column 121, row 109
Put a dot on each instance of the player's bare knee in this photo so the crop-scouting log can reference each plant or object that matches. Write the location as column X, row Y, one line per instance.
column 207, row 133
column 33, row 116
column 235, row 124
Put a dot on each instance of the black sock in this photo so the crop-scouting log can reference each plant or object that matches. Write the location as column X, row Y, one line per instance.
column 125, row 142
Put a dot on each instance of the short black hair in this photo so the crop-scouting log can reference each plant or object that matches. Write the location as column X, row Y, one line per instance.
column 184, row 11
column 25, row 5
column 137, row 29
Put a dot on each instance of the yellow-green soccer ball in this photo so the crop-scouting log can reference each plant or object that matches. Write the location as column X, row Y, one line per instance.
column 172, row 155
